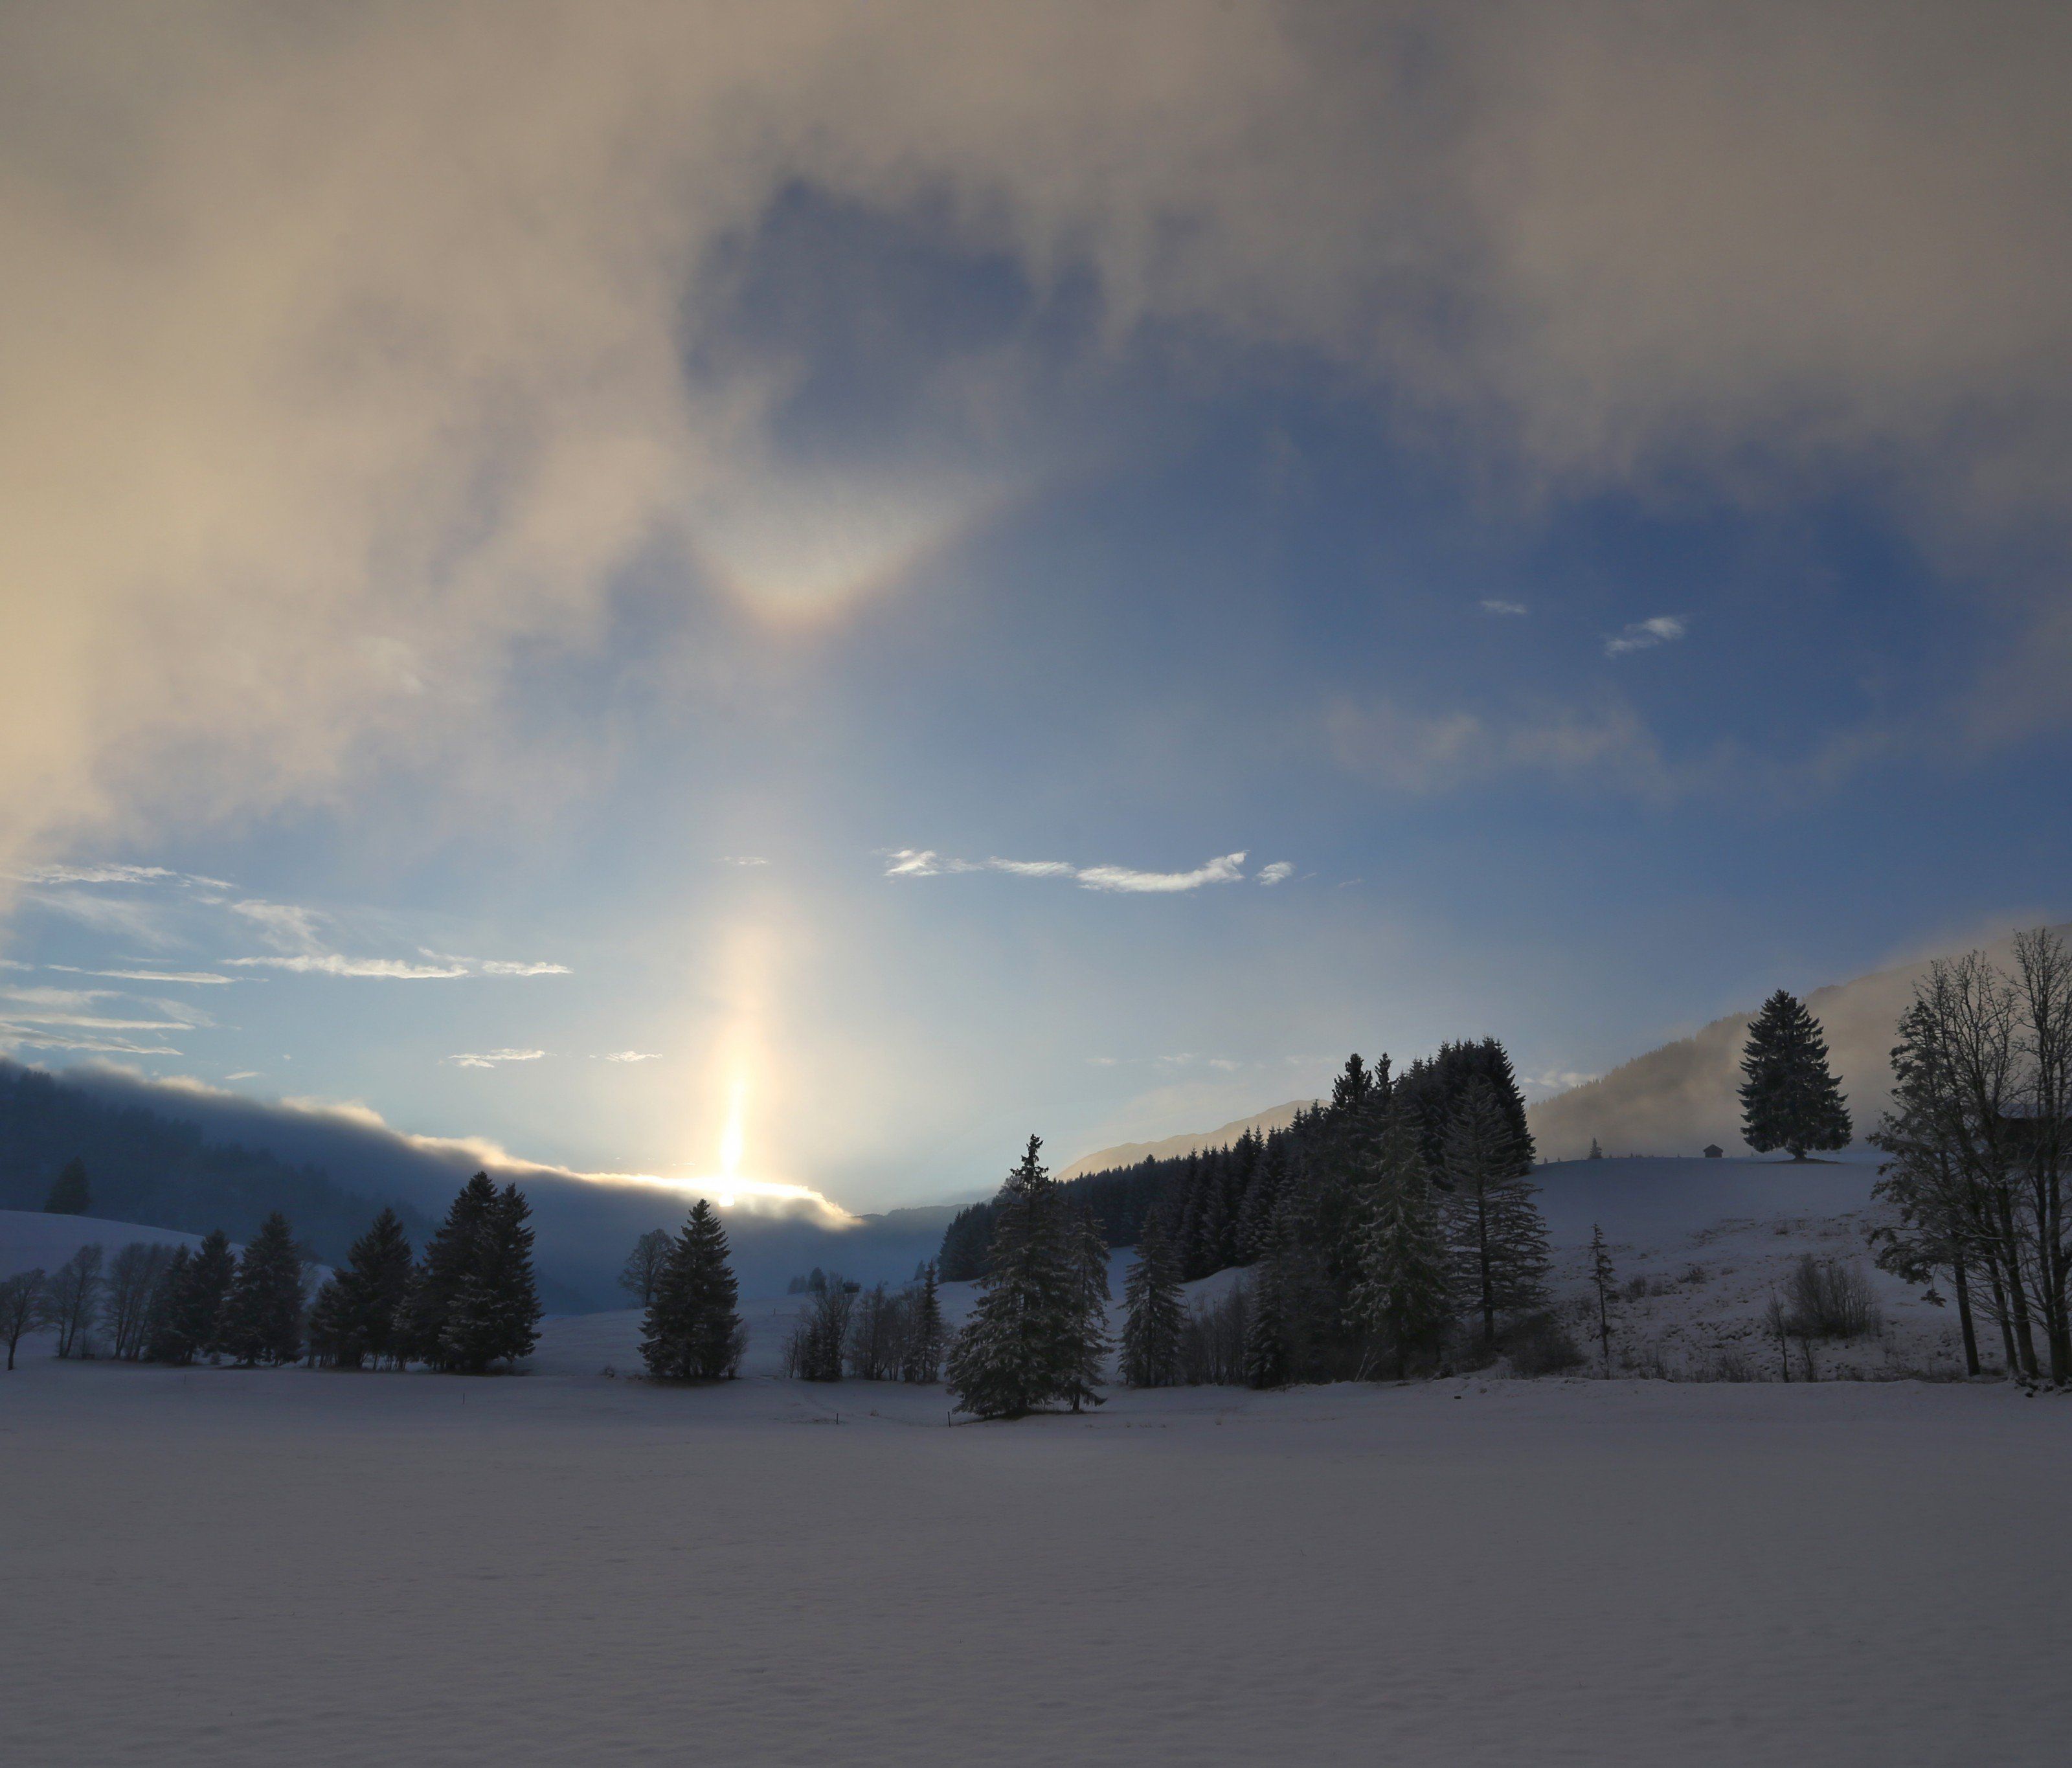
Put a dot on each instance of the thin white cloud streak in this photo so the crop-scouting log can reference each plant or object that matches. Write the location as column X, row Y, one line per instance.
column 18, row 1036
column 336, row 963
column 495, row 1058
column 632, row 1055
column 111, row 873
column 1278, row 873
column 147, row 976
column 1644, row 635
column 1498, row 606
column 925, row 862
column 742, row 859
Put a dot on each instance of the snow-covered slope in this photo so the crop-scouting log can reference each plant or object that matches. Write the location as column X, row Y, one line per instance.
column 30, row 1238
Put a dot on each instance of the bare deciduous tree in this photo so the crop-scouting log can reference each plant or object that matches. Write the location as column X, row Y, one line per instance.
column 72, row 1300
column 21, row 1307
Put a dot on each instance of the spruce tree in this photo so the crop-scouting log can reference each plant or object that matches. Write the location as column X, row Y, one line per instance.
column 70, row 1193
column 262, row 1320
column 1151, row 1328
column 194, row 1294
column 1402, row 1297
column 422, row 1322
column 495, row 1315
column 1018, row 1350
column 1499, row 1241
column 376, row 1281
column 333, row 1341
column 690, row 1331
column 1085, row 1326
column 1790, row 1098
column 925, row 1338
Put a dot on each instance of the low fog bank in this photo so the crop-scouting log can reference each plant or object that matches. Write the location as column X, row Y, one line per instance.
column 585, row 1226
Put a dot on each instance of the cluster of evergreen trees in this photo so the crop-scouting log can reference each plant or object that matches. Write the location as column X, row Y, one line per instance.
column 470, row 1301
column 1979, row 1140
column 875, row 1335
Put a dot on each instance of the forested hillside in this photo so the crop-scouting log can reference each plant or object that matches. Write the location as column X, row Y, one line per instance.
column 1217, row 1207
column 144, row 1167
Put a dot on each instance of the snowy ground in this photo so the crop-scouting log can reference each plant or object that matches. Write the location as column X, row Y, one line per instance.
column 574, row 1566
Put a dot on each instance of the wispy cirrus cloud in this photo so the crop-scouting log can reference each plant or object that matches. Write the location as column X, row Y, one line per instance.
column 1497, row 605
column 1644, row 635
column 145, row 976
column 630, row 1055
column 925, row 862
column 494, row 1059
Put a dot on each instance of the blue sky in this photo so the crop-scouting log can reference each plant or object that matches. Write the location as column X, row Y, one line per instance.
column 575, row 672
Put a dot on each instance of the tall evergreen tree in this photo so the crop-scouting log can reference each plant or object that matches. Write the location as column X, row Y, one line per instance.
column 427, row 1307
column 1086, row 1324
column 1499, row 1241
column 495, row 1312
column 926, row 1337
column 1018, row 1350
column 195, row 1294
column 1152, row 1318
column 262, row 1320
column 1403, row 1297
column 377, row 1282
column 70, row 1194
column 690, row 1331
column 1790, row 1098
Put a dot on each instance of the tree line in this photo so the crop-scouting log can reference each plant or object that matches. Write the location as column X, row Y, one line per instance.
column 470, row 1301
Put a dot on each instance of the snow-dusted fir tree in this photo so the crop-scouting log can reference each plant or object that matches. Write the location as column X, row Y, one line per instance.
column 1017, row 1352
column 1086, row 1343
column 1403, row 1296
column 495, row 1315
column 1152, row 1317
column 691, row 1331
column 1269, row 1333
column 192, row 1306
column 923, row 1361
column 262, row 1320
column 1601, row 1284
column 422, row 1322
column 1790, row 1098
column 1499, row 1239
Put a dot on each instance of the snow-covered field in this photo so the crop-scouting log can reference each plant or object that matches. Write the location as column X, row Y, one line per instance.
column 574, row 1566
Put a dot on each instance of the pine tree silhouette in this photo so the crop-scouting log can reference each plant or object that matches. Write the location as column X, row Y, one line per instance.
column 1151, row 1325
column 690, row 1331
column 1499, row 1239
column 495, row 1314
column 1017, row 1352
column 1403, row 1296
column 70, row 1193
column 1790, row 1098
column 926, row 1337
column 262, row 1319
column 435, row 1285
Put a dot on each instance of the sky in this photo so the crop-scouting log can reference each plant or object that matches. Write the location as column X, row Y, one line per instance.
column 874, row 580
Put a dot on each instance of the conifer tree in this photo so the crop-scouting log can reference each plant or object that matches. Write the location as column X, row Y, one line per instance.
column 332, row 1340
column 262, row 1320
column 690, row 1331
column 1601, row 1282
column 925, row 1336
column 70, row 1193
column 1086, row 1323
column 1017, row 1351
column 495, row 1315
column 195, row 1294
column 1402, row 1297
column 376, row 1281
column 1790, row 1098
column 1151, row 1326
column 422, row 1322
column 1499, row 1241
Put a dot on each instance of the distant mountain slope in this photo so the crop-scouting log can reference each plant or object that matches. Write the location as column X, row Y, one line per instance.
column 1675, row 1099
column 30, row 1239
column 1129, row 1153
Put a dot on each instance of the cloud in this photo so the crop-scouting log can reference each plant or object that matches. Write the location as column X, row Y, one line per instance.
column 492, row 1059
column 632, row 1055
column 282, row 924
column 925, row 862
column 334, row 963
column 147, row 976
column 1644, row 635
column 15, row 1037
column 742, row 859
column 111, row 873
column 397, row 311
column 1278, row 873
column 1495, row 606
column 244, row 1074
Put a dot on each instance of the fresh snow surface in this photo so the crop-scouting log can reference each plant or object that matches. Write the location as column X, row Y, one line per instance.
column 223, row 1566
